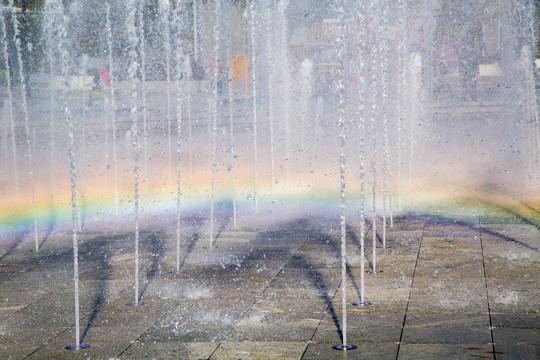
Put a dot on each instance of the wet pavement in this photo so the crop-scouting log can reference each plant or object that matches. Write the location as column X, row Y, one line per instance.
column 454, row 286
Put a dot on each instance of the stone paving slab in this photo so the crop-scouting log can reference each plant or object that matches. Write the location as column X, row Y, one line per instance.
column 324, row 351
column 365, row 317
column 445, row 351
column 447, row 335
column 169, row 350
column 517, row 321
column 446, row 320
column 359, row 334
column 451, row 284
column 269, row 333
column 259, row 350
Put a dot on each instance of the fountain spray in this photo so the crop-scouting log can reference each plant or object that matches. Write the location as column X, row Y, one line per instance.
column 271, row 79
column 112, row 110
column 253, row 25
column 362, row 155
column 178, row 21
column 133, row 42
column 384, row 84
column 24, row 101
column 214, row 118
column 55, row 11
column 374, row 91
column 164, row 7
column 143, row 87
column 10, row 100
column 342, row 171
column 231, row 120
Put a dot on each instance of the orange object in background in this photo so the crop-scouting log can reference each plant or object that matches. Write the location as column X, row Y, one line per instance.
column 239, row 66
column 239, row 69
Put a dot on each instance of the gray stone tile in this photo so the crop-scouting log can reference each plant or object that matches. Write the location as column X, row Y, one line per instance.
column 16, row 353
column 445, row 320
column 187, row 332
column 444, row 351
column 255, row 350
column 446, row 336
column 516, row 321
column 94, row 351
column 358, row 334
column 254, row 295
column 268, row 333
column 169, row 350
column 324, row 351
column 517, row 351
column 516, row 336
column 512, row 268
column 364, row 317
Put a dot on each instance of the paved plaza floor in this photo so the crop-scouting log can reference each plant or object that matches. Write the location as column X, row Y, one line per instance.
column 453, row 286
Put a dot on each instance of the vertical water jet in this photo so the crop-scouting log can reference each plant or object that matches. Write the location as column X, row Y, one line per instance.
column 165, row 9
column 214, row 118
column 143, row 70
column 270, row 20
column 231, row 117
column 361, row 114
column 177, row 20
column 24, row 102
column 374, row 58
column 342, row 173
column 132, row 44
column 11, row 114
column 112, row 104
column 253, row 28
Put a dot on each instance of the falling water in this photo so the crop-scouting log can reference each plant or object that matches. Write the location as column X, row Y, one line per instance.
column 374, row 99
column 112, row 109
column 254, row 89
column 285, row 79
column 164, row 14
column 531, row 79
column 385, row 100
column 402, row 16
column 343, row 226
column 187, row 70
column 414, row 73
column 428, row 24
column 362, row 216
column 375, row 81
column 48, row 31
column 306, row 71
column 55, row 11
column 81, row 148
column 133, row 42
column 143, row 87
column 74, row 216
column 318, row 129
column 362, row 155
column 178, row 188
column 24, row 101
column 10, row 101
column 195, row 31
column 231, row 125
column 82, row 74
column 390, row 195
column 5, row 141
column 271, row 79
column 214, row 118
column 179, row 91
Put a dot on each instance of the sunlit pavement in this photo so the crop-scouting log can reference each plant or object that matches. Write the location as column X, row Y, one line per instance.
column 453, row 286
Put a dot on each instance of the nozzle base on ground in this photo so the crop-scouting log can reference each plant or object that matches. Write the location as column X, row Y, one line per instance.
column 344, row 347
